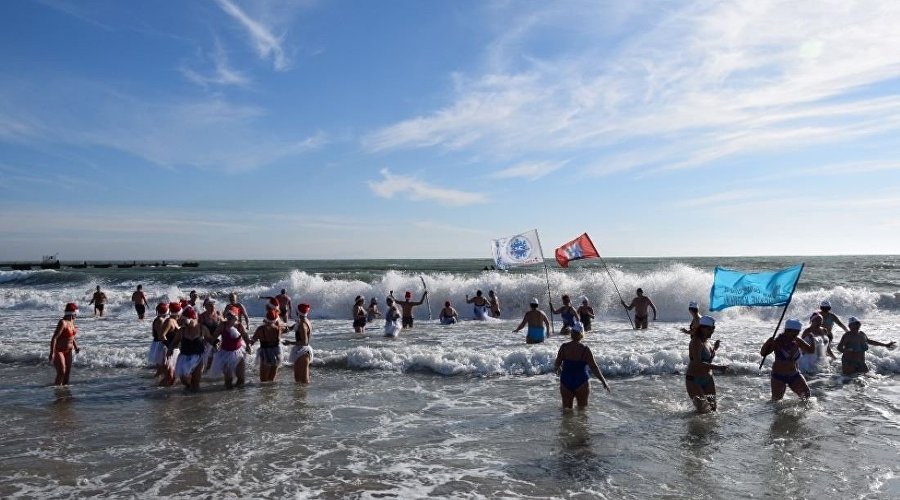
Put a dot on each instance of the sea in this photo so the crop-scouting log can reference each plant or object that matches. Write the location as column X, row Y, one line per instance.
column 460, row 411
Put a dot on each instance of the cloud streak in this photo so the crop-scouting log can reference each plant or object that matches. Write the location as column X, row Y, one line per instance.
column 708, row 81
column 392, row 185
column 267, row 45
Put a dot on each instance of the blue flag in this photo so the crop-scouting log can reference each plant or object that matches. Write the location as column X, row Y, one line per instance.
column 734, row 288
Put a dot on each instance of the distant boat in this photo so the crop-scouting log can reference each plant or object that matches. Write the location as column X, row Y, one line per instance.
column 190, row 264
column 83, row 265
column 102, row 266
column 50, row 262
column 125, row 266
column 21, row 267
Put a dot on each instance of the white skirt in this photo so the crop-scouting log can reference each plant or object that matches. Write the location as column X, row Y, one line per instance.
column 187, row 363
column 157, row 354
column 392, row 328
column 208, row 351
column 173, row 359
column 299, row 351
column 227, row 361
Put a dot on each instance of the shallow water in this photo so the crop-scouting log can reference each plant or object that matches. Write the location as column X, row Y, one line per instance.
column 461, row 411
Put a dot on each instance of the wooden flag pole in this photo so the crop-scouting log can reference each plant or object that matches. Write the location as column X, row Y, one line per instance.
column 427, row 302
column 617, row 290
column 790, row 297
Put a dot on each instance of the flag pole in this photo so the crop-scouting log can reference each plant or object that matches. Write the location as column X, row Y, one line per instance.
column 617, row 290
column 430, row 318
column 547, row 276
column 790, row 297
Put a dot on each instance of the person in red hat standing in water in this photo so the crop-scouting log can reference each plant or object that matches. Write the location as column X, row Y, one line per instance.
column 301, row 353
column 406, row 306
column 63, row 343
column 269, row 353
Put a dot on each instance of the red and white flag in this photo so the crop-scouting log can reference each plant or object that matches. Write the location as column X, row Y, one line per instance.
column 580, row 248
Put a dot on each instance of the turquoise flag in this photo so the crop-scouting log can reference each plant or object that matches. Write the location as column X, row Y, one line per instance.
column 734, row 288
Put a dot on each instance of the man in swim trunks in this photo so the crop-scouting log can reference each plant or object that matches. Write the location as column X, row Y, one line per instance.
column 140, row 302
column 406, row 306
column 586, row 314
column 448, row 314
column 537, row 322
column 192, row 299
column 640, row 305
column 99, row 301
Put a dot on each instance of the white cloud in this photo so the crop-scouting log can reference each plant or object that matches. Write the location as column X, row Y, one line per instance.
column 391, row 185
column 222, row 73
column 707, row 80
column 267, row 45
column 531, row 171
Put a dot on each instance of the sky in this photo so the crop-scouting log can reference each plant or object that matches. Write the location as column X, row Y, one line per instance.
column 227, row 129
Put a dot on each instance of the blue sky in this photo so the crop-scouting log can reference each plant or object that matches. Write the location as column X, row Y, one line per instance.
column 411, row 129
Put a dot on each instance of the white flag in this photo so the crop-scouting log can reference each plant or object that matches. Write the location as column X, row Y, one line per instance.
column 518, row 250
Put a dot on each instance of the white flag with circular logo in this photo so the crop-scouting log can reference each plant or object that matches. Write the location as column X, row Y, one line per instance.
column 518, row 250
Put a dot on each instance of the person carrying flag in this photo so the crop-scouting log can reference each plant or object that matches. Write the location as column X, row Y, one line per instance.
column 640, row 305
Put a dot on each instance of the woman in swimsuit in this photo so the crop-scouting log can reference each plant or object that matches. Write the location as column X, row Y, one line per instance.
column 698, row 379
column 695, row 319
column 572, row 363
column 301, row 353
column 448, row 314
column 829, row 319
column 816, row 336
column 166, row 334
column 568, row 314
column 63, row 343
column 210, row 318
column 190, row 340
column 787, row 348
column 229, row 360
column 373, row 311
column 480, row 305
column 853, row 347
column 494, row 303
column 359, row 315
column 157, row 354
column 269, row 353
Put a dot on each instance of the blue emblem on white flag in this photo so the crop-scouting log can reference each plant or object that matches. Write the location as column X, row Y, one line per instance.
column 518, row 250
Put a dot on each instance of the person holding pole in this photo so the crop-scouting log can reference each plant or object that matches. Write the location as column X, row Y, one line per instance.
column 640, row 305
column 787, row 348
column 698, row 379
column 537, row 322
column 406, row 305
column 586, row 314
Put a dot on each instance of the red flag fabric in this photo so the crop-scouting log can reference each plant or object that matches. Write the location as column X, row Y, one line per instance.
column 580, row 248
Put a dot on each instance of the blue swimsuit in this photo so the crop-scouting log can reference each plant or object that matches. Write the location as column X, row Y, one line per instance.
column 574, row 372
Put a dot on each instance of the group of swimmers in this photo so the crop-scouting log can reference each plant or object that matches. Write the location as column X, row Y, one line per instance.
column 187, row 344
column 796, row 350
